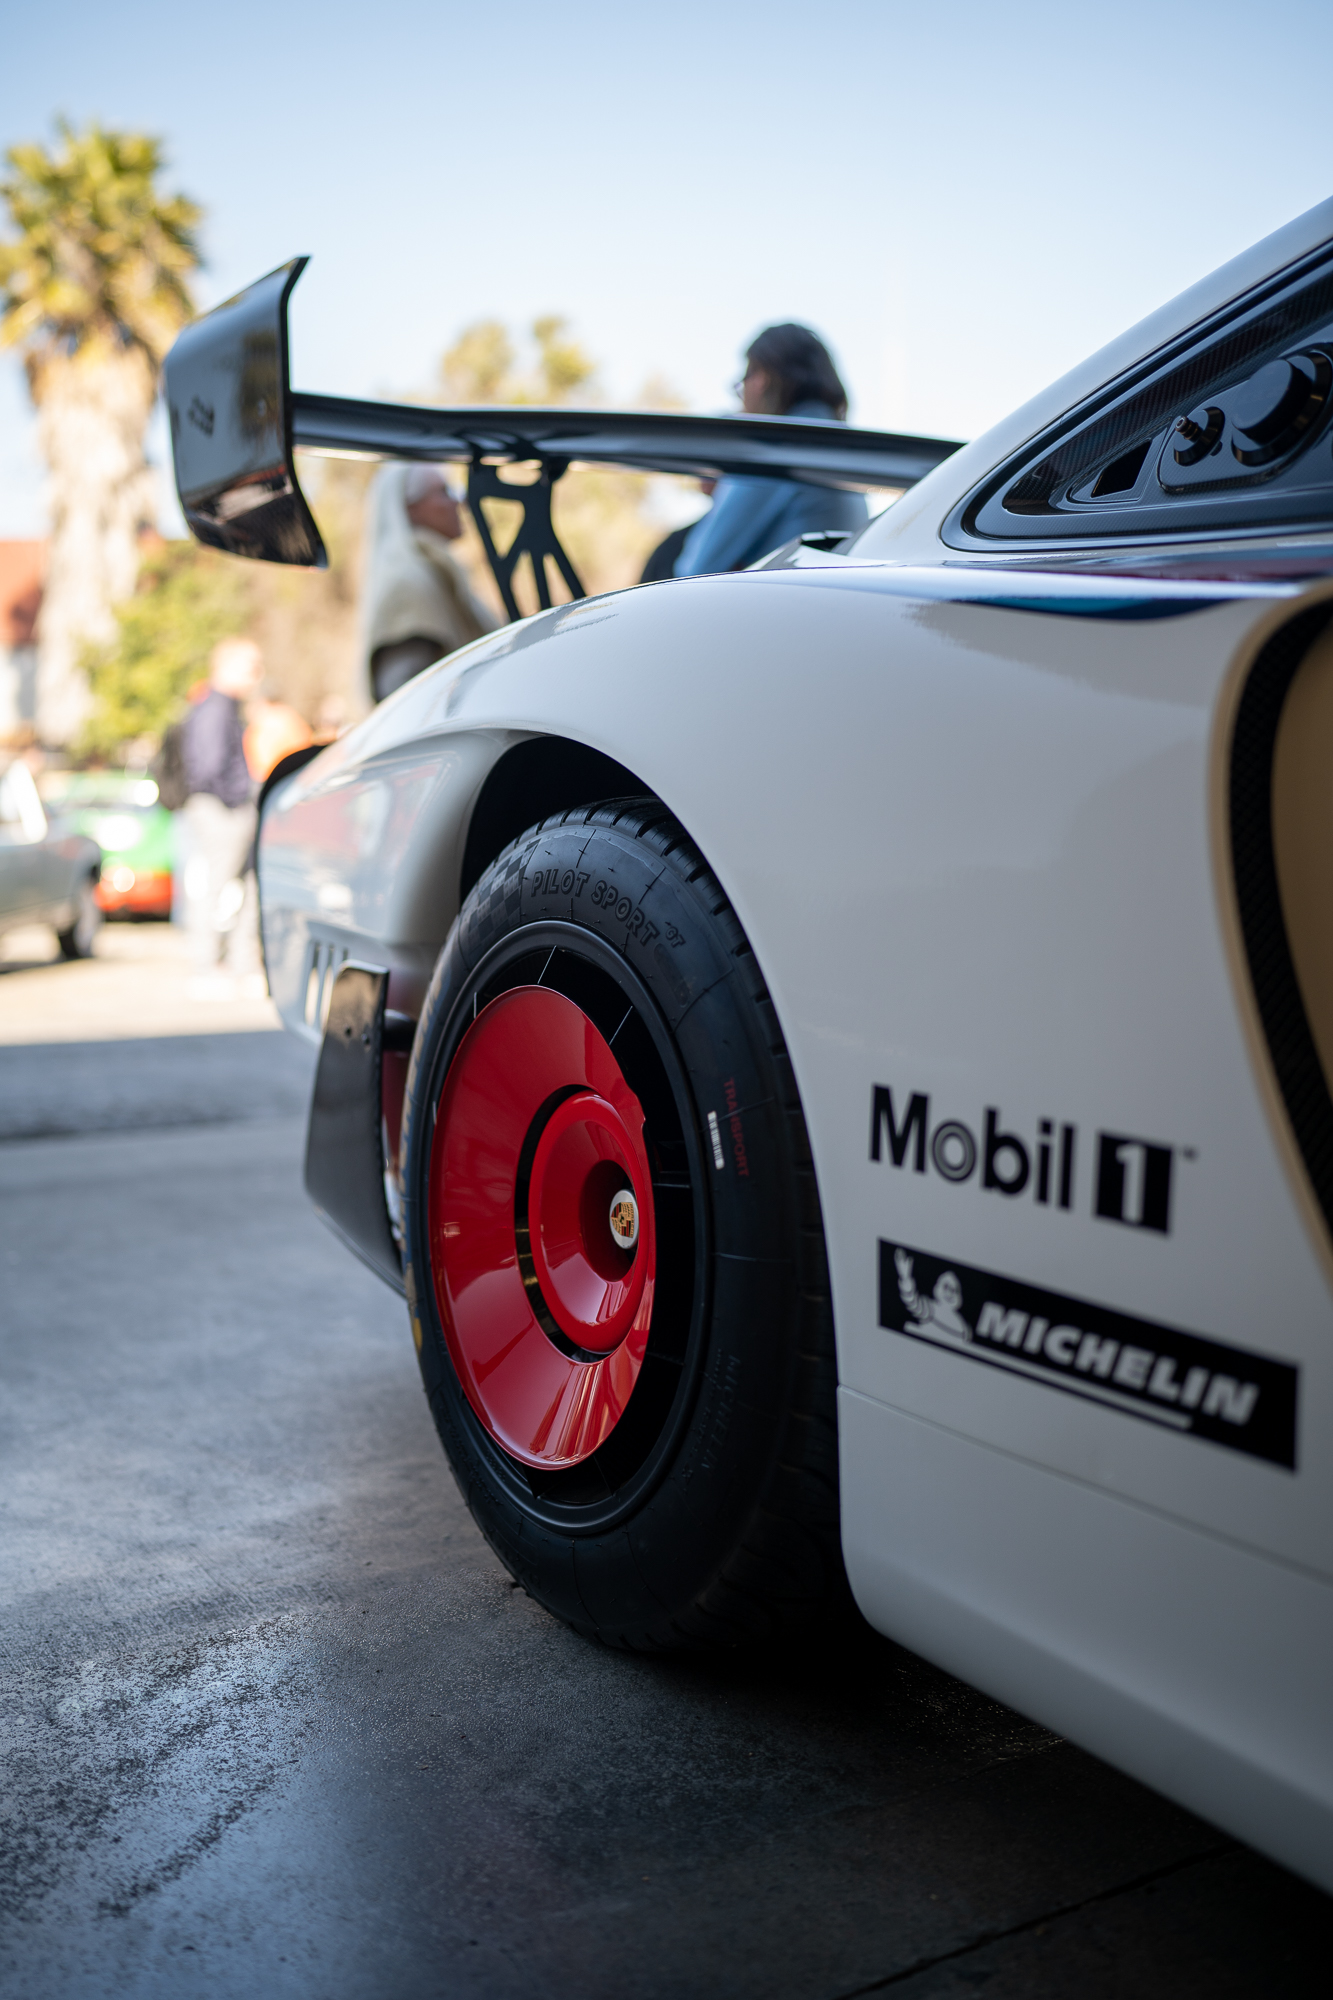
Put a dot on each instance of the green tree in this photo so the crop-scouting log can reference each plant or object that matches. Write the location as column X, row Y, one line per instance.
column 93, row 289
column 187, row 598
column 562, row 365
column 480, row 367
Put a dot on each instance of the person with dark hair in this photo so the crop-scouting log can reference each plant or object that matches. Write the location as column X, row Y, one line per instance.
column 788, row 373
column 787, row 365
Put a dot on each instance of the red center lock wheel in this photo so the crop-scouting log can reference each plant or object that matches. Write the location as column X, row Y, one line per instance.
column 541, row 1226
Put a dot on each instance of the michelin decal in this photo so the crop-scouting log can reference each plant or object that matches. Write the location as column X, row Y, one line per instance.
column 1161, row 1374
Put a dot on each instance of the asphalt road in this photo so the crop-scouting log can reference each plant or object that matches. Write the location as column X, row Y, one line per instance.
column 276, row 1723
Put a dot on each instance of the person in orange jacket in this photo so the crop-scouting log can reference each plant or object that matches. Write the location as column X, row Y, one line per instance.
column 273, row 730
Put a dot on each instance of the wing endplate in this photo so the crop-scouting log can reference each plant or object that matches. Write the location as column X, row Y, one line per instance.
column 228, row 391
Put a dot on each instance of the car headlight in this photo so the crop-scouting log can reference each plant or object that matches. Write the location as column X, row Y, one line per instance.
column 116, row 831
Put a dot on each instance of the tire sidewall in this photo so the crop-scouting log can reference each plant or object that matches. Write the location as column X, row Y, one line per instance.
column 80, row 939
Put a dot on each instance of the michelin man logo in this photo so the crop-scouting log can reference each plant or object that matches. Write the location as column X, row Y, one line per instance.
column 941, row 1309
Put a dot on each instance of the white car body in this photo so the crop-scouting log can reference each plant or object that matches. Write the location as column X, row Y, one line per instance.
column 972, row 819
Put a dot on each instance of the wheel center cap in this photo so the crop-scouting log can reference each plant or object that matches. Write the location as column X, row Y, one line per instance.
column 625, row 1219
column 585, row 1222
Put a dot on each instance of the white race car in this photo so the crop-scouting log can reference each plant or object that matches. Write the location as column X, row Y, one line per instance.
column 837, row 1056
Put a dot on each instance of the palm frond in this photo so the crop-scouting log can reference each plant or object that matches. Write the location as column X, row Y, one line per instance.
column 102, row 257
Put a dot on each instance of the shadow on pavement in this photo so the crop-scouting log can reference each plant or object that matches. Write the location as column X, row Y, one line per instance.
column 126, row 1086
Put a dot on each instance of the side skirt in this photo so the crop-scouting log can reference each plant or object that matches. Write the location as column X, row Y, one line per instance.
column 344, row 1158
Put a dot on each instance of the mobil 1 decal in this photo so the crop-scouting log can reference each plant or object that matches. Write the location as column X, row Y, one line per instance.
column 1126, row 1180
column 1177, row 1380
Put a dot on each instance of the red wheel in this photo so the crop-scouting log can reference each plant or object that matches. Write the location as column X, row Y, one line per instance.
column 541, row 1223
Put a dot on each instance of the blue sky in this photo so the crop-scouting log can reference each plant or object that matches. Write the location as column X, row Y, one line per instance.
column 964, row 199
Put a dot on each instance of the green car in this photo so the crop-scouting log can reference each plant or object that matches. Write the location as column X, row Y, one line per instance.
column 135, row 832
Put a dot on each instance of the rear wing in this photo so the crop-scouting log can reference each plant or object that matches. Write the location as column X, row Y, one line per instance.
column 236, row 423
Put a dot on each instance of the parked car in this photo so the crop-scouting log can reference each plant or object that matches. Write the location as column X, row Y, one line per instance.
column 837, row 1058
column 121, row 812
column 48, row 869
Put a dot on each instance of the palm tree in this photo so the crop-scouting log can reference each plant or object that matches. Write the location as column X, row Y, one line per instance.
column 93, row 291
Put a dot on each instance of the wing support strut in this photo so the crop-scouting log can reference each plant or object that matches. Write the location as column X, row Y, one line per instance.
column 536, row 538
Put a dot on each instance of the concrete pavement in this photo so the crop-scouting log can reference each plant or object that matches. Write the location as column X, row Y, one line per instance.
column 277, row 1723
column 140, row 981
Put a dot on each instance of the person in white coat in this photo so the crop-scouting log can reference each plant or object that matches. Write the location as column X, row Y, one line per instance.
column 417, row 603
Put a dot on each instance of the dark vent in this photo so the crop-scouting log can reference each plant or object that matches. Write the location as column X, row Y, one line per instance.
column 1122, row 474
column 1121, row 464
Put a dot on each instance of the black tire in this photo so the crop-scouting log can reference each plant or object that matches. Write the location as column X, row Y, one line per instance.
column 710, row 1515
column 80, row 938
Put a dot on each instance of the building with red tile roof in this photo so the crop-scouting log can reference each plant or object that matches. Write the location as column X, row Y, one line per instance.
column 22, row 570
